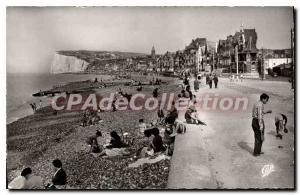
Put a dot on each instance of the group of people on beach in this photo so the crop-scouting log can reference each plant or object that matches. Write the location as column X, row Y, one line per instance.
column 28, row 180
column 151, row 138
column 115, row 147
column 91, row 117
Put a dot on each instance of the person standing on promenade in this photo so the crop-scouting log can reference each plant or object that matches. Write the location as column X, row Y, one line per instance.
column 258, row 125
column 242, row 77
column 207, row 79
column 186, row 81
column 216, row 81
column 188, row 89
column 210, row 80
column 196, row 84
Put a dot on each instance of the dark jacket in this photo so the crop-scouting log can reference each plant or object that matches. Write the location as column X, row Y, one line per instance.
column 216, row 79
column 60, row 177
column 188, row 114
column 172, row 116
column 115, row 143
column 157, row 144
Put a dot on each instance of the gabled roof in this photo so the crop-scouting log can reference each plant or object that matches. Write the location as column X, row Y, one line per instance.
column 196, row 43
column 250, row 38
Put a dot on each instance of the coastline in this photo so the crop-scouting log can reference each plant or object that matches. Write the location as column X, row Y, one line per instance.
column 28, row 111
column 35, row 140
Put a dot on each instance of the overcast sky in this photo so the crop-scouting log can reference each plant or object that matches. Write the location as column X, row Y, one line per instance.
column 35, row 33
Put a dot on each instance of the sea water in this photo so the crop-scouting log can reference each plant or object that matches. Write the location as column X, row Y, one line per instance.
column 21, row 86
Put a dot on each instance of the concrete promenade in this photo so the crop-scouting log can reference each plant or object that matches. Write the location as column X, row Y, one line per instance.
column 219, row 155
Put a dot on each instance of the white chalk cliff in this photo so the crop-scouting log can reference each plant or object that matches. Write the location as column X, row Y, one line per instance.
column 64, row 64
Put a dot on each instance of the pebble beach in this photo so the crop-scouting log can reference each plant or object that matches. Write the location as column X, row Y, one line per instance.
column 36, row 140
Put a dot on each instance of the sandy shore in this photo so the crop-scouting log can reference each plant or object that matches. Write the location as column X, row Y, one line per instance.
column 36, row 140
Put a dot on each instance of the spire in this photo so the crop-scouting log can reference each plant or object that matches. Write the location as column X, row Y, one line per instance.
column 153, row 52
column 242, row 28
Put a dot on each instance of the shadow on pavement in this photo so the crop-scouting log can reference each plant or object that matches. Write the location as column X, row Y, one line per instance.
column 272, row 133
column 245, row 146
column 290, row 128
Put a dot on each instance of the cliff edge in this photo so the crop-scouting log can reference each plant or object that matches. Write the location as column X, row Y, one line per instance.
column 64, row 64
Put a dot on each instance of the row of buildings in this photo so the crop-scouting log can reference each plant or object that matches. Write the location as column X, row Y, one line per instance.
column 195, row 57
column 237, row 53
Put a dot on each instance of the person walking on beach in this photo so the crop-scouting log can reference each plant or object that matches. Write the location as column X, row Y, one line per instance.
column 216, row 80
column 33, row 106
column 258, row 125
column 40, row 104
column 155, row 92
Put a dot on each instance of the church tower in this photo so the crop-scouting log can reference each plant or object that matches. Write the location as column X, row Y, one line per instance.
column 153, row 53
column 242, row 28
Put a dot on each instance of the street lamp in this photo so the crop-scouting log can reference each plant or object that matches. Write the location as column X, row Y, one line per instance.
column 237, row 60
column 262, row 64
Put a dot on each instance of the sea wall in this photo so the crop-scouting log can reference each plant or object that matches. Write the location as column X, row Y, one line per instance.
column 65, row 64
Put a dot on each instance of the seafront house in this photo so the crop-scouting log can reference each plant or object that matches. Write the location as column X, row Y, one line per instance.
column 238, row 53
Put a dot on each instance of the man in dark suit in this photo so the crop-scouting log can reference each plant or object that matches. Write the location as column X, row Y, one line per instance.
column 60, row 176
